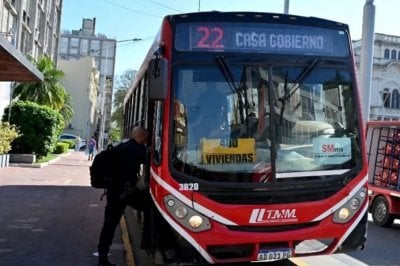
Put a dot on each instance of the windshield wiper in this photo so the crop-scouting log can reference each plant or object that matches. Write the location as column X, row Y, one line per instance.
column 300, row 78
column 226, row 70
column 235, row 87
column 289, row 92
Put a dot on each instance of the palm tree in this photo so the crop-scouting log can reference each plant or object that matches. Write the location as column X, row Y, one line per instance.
column 50, row 92
column 67, row 112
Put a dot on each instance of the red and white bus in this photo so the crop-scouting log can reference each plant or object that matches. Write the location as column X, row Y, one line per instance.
column 256, row 148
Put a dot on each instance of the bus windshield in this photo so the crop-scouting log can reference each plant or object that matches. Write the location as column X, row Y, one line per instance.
column 262, row 123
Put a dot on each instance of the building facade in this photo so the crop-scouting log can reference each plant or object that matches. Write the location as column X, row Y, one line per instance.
column 85, row 42
column 31, row 28
column 82, row 79
column 385, row 86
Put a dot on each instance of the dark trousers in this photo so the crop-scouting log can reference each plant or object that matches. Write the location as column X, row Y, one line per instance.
column 112, row 216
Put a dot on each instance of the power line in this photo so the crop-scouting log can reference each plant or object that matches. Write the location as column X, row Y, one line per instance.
column 132, row 10
column 167, row 7
column 130, row 41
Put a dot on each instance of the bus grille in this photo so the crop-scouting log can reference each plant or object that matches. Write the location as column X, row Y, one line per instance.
column 268, row 197
column 272, row 229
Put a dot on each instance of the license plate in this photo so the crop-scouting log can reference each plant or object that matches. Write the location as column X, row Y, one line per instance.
column 274, row 254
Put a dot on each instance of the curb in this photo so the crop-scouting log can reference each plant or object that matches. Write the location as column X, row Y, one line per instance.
column 38, row 165
column 129, row 258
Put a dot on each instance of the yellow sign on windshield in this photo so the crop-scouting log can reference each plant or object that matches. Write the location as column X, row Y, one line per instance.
column 232, row 151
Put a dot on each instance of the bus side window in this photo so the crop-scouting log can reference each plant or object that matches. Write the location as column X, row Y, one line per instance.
column 158, row 133
column 158, row 79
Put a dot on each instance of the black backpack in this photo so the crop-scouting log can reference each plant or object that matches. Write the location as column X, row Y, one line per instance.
column 103, row 167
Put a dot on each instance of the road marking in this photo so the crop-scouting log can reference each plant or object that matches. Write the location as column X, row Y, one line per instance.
column 298, row 262
column 129, row 259
column 20, row 227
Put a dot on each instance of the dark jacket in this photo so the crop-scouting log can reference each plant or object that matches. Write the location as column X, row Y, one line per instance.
column 130, row 156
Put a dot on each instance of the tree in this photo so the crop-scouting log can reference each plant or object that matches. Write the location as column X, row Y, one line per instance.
column 50, row 92
column 117, row 117
column 67, row 112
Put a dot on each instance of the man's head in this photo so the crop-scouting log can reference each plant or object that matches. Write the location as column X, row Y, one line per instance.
column 140, row 135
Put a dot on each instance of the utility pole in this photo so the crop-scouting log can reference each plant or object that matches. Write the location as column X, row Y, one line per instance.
column 286, row 8
column 103, row 80
column 366, row 60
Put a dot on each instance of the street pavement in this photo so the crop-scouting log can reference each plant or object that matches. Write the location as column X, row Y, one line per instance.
column 52, row 216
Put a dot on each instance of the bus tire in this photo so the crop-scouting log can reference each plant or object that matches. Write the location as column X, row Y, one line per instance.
column 380, row 212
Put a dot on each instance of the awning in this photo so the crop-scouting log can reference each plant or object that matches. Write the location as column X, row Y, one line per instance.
column 14, row 66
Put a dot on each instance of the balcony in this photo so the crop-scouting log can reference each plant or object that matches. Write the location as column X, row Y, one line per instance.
column 377, row 112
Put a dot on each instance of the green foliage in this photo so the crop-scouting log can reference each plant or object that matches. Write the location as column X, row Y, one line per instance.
column 45, row 159
column 67, row 112
column 50, row 92
column 42, row 110
column 115, row 134
column 117, row 117
column 61, row 147
column 40, row 127
column 118, row 114
column 8, row 133
column 70, row 143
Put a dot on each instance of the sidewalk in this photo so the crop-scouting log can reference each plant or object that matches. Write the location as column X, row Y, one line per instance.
column 51, row 215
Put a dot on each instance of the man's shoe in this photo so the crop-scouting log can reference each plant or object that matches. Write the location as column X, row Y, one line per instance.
column 103, row 261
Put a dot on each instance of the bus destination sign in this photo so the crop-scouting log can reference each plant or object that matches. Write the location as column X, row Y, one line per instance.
column 261, row 38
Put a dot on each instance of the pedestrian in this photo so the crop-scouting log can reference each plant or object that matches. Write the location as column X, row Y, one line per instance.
column 91, row 148
column 78, row 143
column 131, row 155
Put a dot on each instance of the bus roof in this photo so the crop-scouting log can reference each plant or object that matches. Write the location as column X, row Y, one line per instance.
column 255, row 17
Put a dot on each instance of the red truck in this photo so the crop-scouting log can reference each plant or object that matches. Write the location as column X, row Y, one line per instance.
column 383, row 148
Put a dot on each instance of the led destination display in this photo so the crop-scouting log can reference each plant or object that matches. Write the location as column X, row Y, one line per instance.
column 261, row 38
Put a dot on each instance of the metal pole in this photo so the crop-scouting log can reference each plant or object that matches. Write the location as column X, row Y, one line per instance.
column 103, row 81
column 286, row 8
column 366, row 60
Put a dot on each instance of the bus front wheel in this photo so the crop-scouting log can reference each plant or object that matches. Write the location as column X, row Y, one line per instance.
column 380, row 212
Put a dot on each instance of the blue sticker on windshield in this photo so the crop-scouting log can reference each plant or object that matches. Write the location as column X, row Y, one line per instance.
column 331, row 150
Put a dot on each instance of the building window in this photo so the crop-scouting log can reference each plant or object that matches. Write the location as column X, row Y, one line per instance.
column 108, row 49
column 74, row 43
column 84, row 46
column 94, row 46
column 386, row 54
column 73, row 50
column 394, row 53
column 395, row 99
column 63, row 45
column 386, row 98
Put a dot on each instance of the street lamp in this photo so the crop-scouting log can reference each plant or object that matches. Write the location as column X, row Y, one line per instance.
column 103, row 79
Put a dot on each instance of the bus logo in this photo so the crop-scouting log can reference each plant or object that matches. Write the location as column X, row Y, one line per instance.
column 272, row 216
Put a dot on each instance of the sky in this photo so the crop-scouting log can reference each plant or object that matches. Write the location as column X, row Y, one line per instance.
column 130, row 19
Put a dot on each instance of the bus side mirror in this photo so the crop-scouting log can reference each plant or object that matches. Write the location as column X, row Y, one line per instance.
column 158, row 79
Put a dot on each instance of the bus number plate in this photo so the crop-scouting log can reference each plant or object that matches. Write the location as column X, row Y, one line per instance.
column 274, row 254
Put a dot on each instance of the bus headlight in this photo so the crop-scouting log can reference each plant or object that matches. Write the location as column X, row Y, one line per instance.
column 181, row 212
column 195, row 221
column 347, row 211
column 355, row 203
column 186, row 216
column 344, row 213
